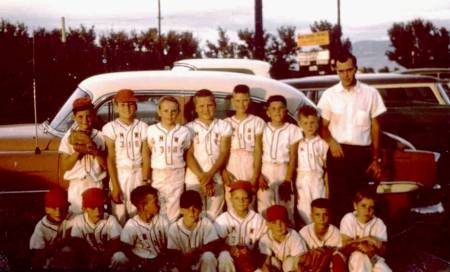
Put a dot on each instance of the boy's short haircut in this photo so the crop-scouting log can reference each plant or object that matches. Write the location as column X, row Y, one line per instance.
column 81, row 104
column 321, row 203
column 56, row 198
column 203, row 93
column 306, row 111
column 366, row 192
column 241, row 88
column 93, row 198
column 139, row 193
column 276, row 98
column 190, row 198
column 168, row 98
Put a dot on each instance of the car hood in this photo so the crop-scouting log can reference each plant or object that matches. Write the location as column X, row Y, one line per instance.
column 22, row 137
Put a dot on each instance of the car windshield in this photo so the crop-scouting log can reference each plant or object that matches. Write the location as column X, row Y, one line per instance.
column 63, row 119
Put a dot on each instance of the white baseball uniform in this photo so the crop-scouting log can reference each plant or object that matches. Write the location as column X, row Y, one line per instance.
column 86, row 173
column 96, row 235
column 331, row 239
column 46, row 234
column 147, row 240
column 185, row 240
column 276, row 144
column 310, row 185
column 354, row 229
column 128, row 144
column 238, row 231
column 168, row 164
column 284, row 255
column 206, row 144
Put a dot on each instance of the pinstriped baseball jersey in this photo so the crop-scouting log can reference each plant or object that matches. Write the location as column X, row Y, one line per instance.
column 351, row 227
column 291, row 246
column 206, row 141
column 168, row 147
column 277, row 141
column 46, row 234
column 312, row 154
column 97, row 235
column 87, row 167
column 127, row 141
column 245, row 131
column 185, row 240
column 331, row 239
column 146, row 239
column 241, row 231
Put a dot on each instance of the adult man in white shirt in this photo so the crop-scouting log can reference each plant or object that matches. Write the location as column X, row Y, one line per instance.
column 350, row 125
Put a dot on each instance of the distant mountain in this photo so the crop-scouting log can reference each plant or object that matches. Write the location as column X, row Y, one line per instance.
column 372, row 54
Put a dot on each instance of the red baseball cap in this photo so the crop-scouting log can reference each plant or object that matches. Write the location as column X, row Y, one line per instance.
column 125, row 95
column 56, row 198
column 277, row 212
column 82, row 103
column 241, row 184
column 93, row 198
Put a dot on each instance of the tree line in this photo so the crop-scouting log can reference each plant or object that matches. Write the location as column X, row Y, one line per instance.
column 60, row 66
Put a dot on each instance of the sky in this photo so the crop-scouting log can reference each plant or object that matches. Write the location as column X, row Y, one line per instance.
column 360, row 19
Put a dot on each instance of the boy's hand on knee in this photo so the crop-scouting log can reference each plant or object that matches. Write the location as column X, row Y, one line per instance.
column 262, row 183
column 116, row 196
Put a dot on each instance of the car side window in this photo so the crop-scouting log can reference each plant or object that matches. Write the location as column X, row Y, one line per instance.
column 409, row 96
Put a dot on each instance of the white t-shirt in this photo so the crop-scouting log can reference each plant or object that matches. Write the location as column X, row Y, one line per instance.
column 46, row 233
column 127, row 141
column 312, row 154
column 277, row 141
column 354, row 229
column 291, row 246
column 245, row 132
column 206, row 141
column 97, row 235
column 168, row 147
column 241, row 231
column 87, row 167
column 350, row 112
column 185, row 240
column 146, row 239
column 331, row 239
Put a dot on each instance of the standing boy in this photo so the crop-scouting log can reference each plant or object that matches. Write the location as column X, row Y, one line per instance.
column 312, row 152
column 281, row 245
column 127, row 159
column 208, row 153
column 280, row 143
column 240, row 228
column 246, row 142
column 82, row 154
column 193, row 237
column 168, row 143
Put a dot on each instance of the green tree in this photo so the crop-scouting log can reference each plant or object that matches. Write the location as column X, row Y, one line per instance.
column 282, row 51
column 179, row 45
column 419, row 43
column 224, row 47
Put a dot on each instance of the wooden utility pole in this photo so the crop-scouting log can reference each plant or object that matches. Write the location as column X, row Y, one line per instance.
column 259, row 39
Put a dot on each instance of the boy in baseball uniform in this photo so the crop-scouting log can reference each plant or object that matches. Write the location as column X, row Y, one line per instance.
column 244, row 162
column 312, row 153
column 364, row 235
column 168, row 143
column 127, row 159
column 280, row 246
column 321, row 237
column 240, row 229
column 193, row 238
column 280, row 145
column 49, row 241
column 208, row 153
column 97, row 233
column 82, row 154
column 145, row 234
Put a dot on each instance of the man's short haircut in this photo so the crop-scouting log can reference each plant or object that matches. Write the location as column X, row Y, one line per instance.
column 345, row 55
column 366, row 192
column 307, row 110
column 242, row 89
column 276, row 98
column 321, row 203
column 203, row 93
column 140, row 192
column 168, row 98
column 190, row 198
